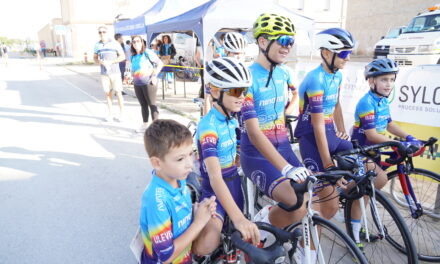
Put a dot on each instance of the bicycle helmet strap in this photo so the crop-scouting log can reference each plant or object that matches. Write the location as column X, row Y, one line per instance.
column 273, row 64
column 219, row 101
column 331, row 66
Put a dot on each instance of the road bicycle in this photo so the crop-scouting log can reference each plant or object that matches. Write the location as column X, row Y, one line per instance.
column 417, row 193
column 385, row 234
column 332, row 245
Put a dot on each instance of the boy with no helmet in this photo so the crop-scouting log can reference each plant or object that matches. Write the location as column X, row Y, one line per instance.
column 169, row 224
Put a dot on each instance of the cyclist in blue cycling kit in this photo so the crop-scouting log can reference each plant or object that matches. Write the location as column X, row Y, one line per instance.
column 320, row 110
column 373, row 119
column 266, row 156
column 228, row 80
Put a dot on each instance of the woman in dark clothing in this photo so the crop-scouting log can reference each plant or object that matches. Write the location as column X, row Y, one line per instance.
column 167, row 51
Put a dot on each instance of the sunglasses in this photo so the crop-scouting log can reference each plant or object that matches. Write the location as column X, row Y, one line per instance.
column 136, row 41
column 343, row 54
column 235, row 92
column 102, row 32
column 284, row 40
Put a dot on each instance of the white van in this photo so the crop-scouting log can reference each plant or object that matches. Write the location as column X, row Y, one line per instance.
column 382, row 47
column 420, row 42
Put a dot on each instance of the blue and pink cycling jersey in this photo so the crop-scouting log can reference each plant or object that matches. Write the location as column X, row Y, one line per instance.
column 372, row 112
column 318, row 93
column 267, row 105
column 216, row 137
column 166, row 212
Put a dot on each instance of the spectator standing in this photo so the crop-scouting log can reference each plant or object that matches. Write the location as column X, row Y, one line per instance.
column 145, row 65
column 167, row 52
column 43, row 48
column 122, row 64
column 58, row 48
column 4, row 51
column 108, row 54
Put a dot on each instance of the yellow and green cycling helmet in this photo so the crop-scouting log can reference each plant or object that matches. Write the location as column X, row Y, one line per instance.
column 273, row 24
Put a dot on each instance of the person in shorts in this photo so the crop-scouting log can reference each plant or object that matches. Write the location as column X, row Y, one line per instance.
column 108, row 53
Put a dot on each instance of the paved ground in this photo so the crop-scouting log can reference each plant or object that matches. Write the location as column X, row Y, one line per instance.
column 70, row 183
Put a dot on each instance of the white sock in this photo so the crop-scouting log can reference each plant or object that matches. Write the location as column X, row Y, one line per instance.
column 356, row 225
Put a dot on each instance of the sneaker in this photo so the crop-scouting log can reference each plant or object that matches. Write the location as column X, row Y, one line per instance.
column 119, row 118
column 361, row 247
column 363, row 236
column 142, row 128
column 109, row 118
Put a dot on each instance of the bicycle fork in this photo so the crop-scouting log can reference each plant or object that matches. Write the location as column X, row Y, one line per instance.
column 408, row 192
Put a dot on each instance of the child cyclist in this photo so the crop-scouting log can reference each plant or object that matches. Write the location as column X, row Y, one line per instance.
column 228, row 80
column 373, row 119
column 266, row 155
column 168, row 225
column 320, row 127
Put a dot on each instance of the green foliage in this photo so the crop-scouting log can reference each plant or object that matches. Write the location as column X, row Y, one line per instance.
column 11, row 42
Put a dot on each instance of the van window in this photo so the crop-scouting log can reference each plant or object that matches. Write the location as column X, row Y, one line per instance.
column 424, row 24
column 394, row 33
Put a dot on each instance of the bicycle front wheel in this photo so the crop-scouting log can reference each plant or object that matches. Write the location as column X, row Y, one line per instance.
column 395, row 245
column 336, row 246
column 425, row 228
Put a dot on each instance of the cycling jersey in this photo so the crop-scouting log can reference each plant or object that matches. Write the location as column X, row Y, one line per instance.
column 142, row 67
column 372, row 111
column 318, row 93
column 166, row 212
column 216, row 137
column 267, row 104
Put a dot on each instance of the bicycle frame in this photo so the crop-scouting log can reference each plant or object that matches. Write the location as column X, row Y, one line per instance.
column 414, row 206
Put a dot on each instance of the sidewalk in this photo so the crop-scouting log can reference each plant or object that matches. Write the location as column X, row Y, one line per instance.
column 174, row 94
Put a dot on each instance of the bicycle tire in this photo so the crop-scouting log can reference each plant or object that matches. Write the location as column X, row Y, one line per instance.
column 398, row 249
column 331, row 231
column 426, row 228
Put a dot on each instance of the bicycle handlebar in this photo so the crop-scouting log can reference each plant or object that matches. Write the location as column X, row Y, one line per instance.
column 364, row 150
column 274, row 253
column 301, row 188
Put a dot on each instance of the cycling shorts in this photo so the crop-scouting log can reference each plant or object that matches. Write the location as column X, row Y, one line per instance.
column 262, row 173
column 234, row 186
column 309, row 150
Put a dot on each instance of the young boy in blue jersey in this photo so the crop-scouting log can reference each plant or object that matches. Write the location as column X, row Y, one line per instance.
column 168, row 223
column 266, row 156
column 228, row 80
column 373, row 119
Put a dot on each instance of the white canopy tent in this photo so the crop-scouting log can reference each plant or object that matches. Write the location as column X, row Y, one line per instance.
column 215, row 15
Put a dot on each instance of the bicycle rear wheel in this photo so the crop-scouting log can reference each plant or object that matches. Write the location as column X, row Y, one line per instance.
column 425, row 229
column 337, row 246
column 397, row 246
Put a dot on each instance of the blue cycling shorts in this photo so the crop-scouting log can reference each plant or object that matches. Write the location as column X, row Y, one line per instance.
column 309, row 150
column 234, row 186
column 262, row 173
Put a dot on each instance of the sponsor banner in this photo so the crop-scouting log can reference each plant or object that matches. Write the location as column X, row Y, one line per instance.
column 416, row 96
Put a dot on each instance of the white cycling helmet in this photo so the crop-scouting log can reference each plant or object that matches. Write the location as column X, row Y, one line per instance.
column 334, row 39
column 234, row 42
column 228, row 72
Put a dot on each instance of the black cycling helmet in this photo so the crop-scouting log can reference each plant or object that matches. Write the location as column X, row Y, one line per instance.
column 380, row 67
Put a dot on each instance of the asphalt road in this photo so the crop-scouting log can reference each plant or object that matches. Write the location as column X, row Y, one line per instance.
column 70, row 183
